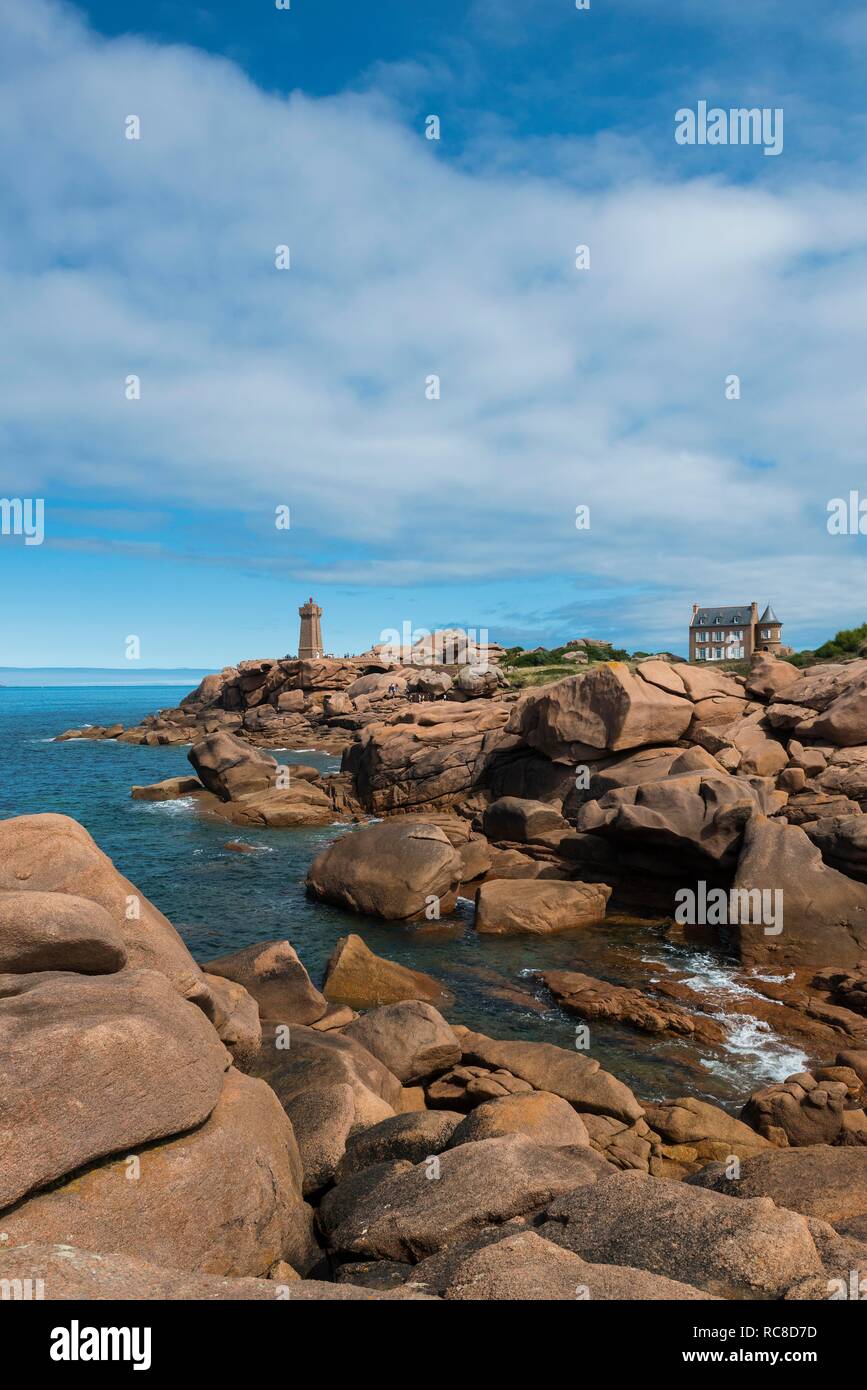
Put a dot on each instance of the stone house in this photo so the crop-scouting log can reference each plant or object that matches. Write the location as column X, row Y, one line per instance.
column 733, row 633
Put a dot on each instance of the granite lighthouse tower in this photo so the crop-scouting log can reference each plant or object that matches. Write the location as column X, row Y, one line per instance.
column 310, row 638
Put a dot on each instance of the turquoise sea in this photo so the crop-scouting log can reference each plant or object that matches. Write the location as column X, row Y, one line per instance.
column 220, row 900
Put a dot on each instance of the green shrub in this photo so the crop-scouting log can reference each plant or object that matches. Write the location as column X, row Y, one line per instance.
column 844, row 643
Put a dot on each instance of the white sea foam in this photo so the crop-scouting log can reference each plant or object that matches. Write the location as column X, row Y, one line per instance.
column 751, row 1049
column 709, row 975
column 754, row 1047
column 169, row 808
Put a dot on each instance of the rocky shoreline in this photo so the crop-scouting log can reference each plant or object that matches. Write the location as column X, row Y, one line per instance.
column 172, row 1130
column 613, row 791
column 348, row 1140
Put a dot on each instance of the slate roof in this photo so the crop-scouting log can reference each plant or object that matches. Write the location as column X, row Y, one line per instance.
column 723, row 617
column 769, row 616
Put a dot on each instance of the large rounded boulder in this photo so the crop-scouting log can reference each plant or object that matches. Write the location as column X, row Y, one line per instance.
column 93, row 1065
column 410, row 1038
column 54, row 854
column 230, row 768
column 393, row 870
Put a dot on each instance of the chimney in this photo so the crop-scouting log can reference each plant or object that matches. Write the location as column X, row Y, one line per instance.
column 694, row 609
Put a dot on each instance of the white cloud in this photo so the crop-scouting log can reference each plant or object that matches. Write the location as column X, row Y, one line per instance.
column 307, row 387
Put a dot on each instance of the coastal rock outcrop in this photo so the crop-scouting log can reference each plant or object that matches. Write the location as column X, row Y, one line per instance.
column 490, row 1181
column 698, row 813
column 250, row 787
column 123, row 1126
column 410, row 1038
column 409, row 1138
column 539, row 1115
column 58, row 931
column 648, row 765
column 222, row 1198
column 231, row 768
column 695, row 1133
column 598, row 999
column 428, row 756
column 54, row 854
column 572, row 1075
column 609, row 708
column 322, row 1120
column 396, row 1153
column 798, row 1112
column 824, row 912
column 356, row 976
column 820, row 1181
column 842, row 841
column 169, row 789
column 63, row 1273
column 95, row 1064
column 732, row 1248
column 236, row 1019
column 304, row 1059
column 538, row 907
column 272, row 973
column 398, row 1149
column 521, row 1265
column 517, row 819
column 769, row 679
column 843, row 720
column 394, row 870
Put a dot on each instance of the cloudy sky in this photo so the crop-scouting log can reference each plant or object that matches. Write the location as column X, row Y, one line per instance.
column 305, row 388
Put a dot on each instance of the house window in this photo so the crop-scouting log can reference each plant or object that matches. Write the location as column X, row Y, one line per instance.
column 766, row 632
column 718, row 653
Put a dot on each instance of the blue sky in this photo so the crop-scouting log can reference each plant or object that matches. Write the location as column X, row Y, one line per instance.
column 305, row 388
